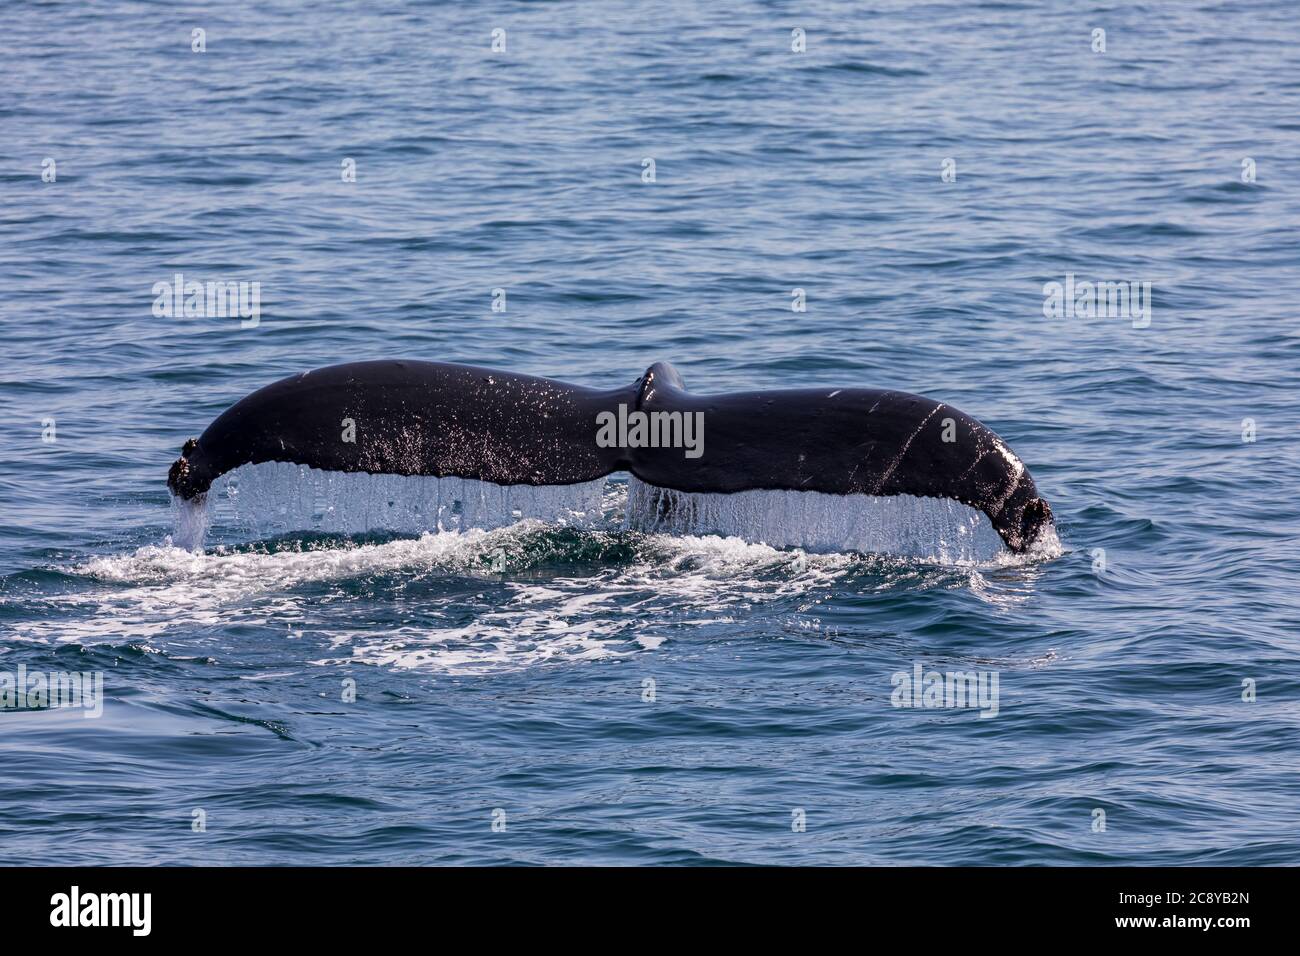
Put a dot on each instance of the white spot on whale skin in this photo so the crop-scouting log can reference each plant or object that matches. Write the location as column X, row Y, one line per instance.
column 834, row 393
column 1016, row 464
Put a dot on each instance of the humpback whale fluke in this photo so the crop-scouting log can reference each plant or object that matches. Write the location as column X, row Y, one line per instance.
column 443, row 420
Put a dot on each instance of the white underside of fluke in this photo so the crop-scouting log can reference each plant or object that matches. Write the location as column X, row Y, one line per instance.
column 278, row 498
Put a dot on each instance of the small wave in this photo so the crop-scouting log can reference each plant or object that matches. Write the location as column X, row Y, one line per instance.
column 872, row 69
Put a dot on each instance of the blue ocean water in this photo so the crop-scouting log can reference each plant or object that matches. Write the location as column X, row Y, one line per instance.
column 545, row 695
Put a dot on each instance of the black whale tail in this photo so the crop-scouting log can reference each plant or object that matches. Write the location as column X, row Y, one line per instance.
column 442, row 420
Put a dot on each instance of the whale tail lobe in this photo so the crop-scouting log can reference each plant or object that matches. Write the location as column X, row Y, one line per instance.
column 871, row 451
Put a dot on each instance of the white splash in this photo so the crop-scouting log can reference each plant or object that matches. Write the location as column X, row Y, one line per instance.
column 189, row 521
column 277, row 498
column 931, row 529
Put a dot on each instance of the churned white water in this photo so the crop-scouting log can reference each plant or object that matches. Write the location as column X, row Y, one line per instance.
column 685, row 562
column 530, row 604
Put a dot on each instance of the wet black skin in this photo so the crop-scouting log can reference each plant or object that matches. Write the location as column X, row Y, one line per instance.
column 439, row 419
